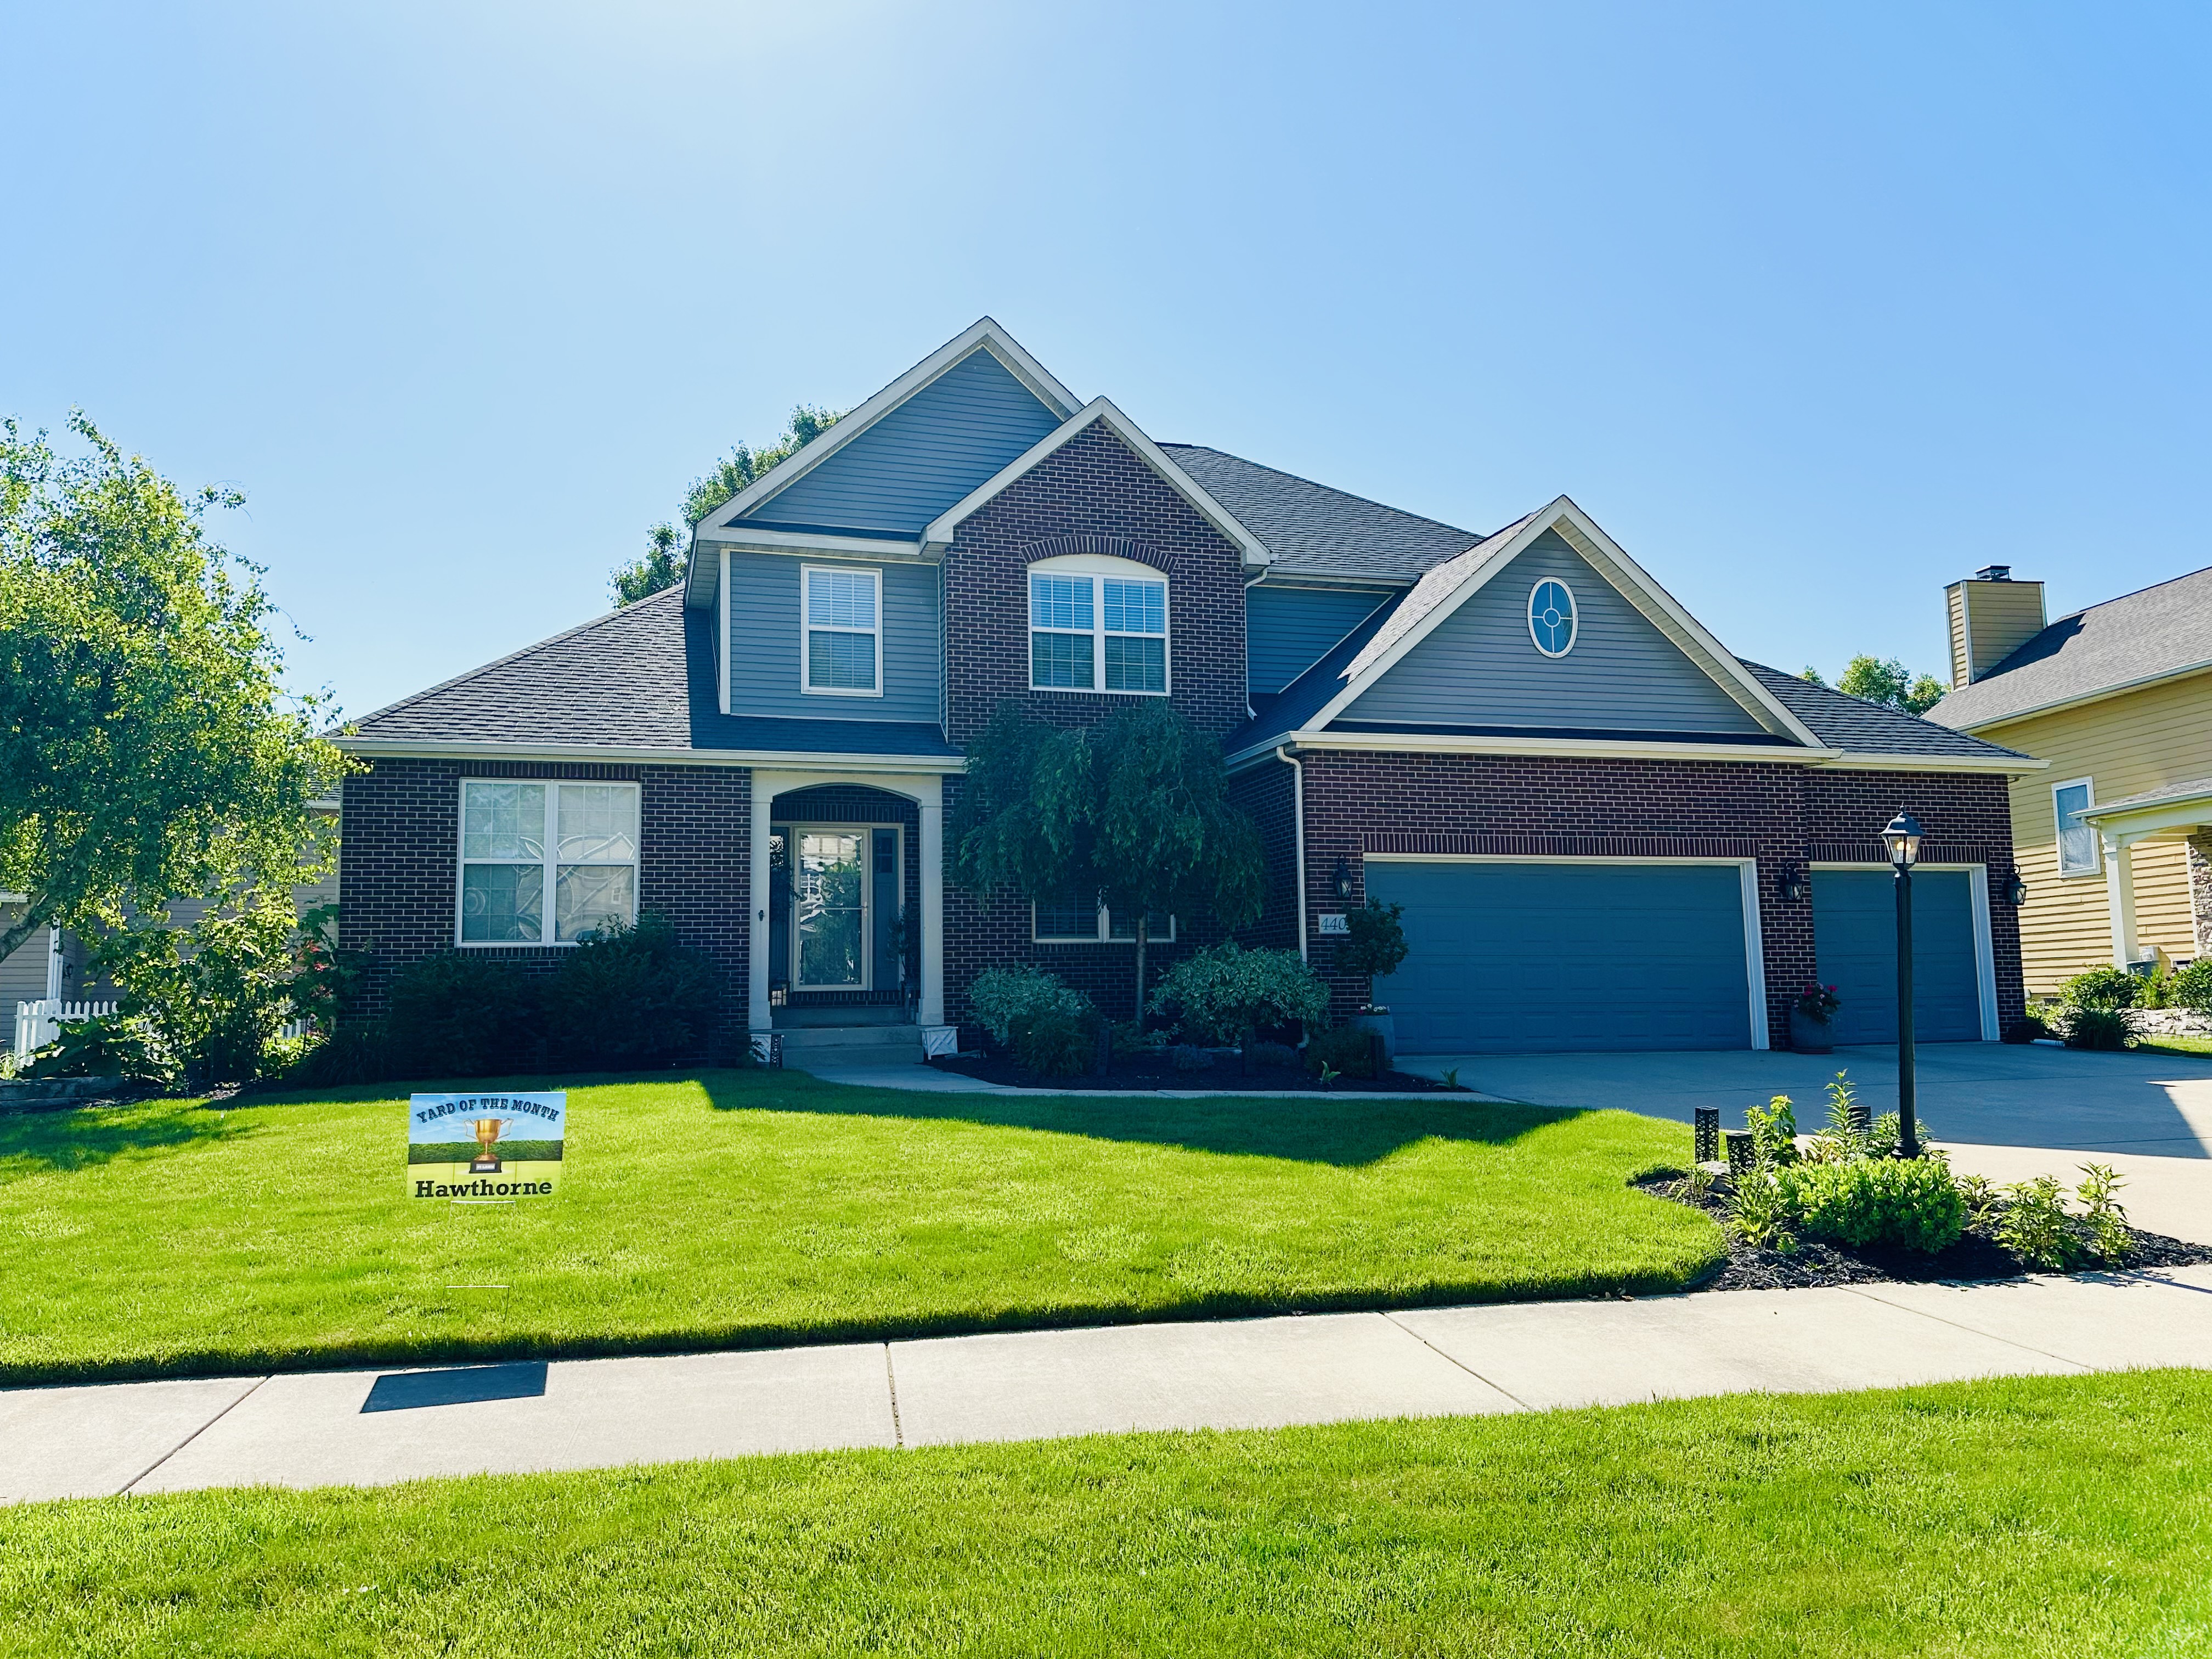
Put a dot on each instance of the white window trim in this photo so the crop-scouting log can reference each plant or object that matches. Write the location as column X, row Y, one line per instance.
column 2096, row 867
column 1104, row 935
column 1574, row 618
column 1098, row 567
column 548, row 921
column 807, row 627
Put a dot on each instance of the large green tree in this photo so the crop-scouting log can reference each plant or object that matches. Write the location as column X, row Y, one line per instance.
column 1135, row 810
column 1887, row 681
column 661, row 564
column 148, row 747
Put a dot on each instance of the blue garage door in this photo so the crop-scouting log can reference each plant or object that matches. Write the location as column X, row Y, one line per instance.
column 1855, row 940
column 1511, row 958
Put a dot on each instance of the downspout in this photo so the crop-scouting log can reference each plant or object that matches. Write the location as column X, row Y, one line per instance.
column 1298, row 827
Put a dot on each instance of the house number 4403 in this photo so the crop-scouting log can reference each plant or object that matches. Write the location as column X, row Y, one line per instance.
column 1333, row 923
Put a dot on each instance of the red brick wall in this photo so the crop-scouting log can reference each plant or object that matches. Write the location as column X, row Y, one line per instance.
column 1782, row 816
column 398, row 879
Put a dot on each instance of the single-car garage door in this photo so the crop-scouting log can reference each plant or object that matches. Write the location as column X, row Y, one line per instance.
column 1855, row 942
column 1507, row 958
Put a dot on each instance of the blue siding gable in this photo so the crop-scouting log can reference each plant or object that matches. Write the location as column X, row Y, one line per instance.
column 764, row 660
column 1479, row 667
column 933, row 449
column 1288, row 630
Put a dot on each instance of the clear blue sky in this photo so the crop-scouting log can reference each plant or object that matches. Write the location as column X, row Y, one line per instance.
column 1814, row 307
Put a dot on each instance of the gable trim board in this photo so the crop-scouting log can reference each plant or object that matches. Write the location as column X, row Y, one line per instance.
column 1098, row 411
column 745, row 539
column 1485, row 560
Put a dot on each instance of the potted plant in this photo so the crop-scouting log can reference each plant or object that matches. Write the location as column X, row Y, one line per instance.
column 1812, row 1017
column 1374, row 948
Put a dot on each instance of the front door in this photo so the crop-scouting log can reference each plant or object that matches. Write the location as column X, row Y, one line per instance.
column 829, row 889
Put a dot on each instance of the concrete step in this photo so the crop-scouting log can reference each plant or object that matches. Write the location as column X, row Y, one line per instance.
column 809, row 1047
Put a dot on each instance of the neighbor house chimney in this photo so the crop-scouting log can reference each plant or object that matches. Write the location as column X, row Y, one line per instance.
column 1992, row 615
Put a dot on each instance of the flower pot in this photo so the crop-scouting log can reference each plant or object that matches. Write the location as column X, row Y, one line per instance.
column 1811, row 1036
column 1383, row 1026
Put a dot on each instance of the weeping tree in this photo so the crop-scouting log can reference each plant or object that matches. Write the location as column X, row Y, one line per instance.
column 1136, row 810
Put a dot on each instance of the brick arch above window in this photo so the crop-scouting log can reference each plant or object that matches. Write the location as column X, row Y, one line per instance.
column 1110, row 547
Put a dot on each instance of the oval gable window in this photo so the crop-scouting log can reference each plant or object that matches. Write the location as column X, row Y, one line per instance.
column 1552, row 617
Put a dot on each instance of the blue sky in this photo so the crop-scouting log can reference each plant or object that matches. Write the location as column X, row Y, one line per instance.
column 1814, row 307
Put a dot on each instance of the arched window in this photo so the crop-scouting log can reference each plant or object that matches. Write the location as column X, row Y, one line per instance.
column 1098, row 624
column 1552, row 617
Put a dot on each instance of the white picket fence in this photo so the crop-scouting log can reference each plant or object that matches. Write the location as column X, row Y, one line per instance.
column 37, row 1024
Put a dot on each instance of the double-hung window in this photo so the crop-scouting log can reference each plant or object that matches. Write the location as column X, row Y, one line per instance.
column 2079, row 852
column 843, row 628
column 532, row 850
column 1070, row 920
column 1098, row 625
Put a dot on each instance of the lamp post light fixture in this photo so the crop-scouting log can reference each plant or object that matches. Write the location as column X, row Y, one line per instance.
column 1902, row 837
column 1341, row 880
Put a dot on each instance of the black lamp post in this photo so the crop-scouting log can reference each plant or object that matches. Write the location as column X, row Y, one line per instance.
column 1902, row 837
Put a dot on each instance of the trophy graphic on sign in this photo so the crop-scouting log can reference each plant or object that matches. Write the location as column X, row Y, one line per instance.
column 487, row 1159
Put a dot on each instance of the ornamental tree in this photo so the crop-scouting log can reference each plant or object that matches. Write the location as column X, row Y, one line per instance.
column 147, row 750
column 1136, row 810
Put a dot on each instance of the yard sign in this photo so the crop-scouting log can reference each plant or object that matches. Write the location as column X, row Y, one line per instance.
column 484, row 1148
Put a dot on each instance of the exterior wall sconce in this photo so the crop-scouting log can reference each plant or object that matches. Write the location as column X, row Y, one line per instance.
column 2017, row 889
column 1339, row 881
column 1793, row 883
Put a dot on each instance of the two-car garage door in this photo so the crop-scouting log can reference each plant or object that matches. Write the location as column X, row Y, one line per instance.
column 1508, row 958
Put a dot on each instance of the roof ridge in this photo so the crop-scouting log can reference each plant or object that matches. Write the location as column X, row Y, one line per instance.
column 519, row 653
column 1300, row 477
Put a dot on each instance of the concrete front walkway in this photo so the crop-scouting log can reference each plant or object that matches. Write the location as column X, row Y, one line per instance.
column 1990, row 1094
column 368, row 1428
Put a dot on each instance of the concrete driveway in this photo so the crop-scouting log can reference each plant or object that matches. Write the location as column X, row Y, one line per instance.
column 1982, row 1093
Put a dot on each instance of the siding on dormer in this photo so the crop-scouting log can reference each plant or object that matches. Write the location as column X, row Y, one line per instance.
column 1479, row 667
column 764, row 661
column 1288, row 630
column 925, row 455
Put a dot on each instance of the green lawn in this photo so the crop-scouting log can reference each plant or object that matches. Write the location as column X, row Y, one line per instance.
column 736, row 1208
column 2037, row 1517
column 2173, row 1045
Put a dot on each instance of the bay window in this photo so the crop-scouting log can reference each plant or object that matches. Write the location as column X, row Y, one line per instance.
column 532, row 850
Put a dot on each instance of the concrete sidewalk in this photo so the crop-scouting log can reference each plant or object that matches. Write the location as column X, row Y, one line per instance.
column 368, row 1428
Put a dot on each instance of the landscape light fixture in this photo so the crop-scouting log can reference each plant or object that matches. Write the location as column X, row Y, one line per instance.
column 1341, row 880
column 1902, row 837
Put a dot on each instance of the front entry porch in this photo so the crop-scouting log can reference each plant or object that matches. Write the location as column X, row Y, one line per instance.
column 848, row 928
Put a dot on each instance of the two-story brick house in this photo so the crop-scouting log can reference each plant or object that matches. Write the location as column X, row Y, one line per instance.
column 1607, row 831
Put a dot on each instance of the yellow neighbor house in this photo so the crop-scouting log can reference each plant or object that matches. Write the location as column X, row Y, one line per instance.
column 2114, row 839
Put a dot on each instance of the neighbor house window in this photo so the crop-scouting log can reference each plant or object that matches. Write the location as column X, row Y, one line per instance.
column 2078, row 853
column 532, row 850
column 1098, row 624
column 1072, row 921
column 844, row 631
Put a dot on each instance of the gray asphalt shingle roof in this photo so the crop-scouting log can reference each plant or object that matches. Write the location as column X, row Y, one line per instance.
column 639, row 677
column 2172, row 792
column 1860, row 727
column 1310, row 527
column 2140, row 636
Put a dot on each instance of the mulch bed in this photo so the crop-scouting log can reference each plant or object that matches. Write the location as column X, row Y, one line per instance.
column 1158, row 1071
column 1977, row 1256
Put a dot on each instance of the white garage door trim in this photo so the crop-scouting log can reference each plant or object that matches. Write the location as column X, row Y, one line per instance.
column 1985, row 954
column 1754, row 955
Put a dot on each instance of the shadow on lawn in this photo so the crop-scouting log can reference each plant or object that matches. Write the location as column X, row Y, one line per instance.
column 34, row 1143
column 1348, row 1130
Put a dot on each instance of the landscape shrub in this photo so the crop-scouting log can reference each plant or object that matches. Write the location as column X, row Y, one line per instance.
column 113, row 1045
column 1223, row 994
column 632, row 996
column 2035, row 1227
column 1374, row 941
column 1006, row 1001
column 1759, row 1211
column 2190, row 987
column 461, row 1014
column 357, row 1051
column 2027, row 1029
column 1346, row 1049
column 1773, row 1131
column 1848, row 1134
column 1058, row 1042
column 1129, row 1036
column 2102, row 1216
column 1270, row 1054
column 1911, row 1203
column 2093, row 1028
column 1189, row 1057
column 214, row 991
column 2102, row 987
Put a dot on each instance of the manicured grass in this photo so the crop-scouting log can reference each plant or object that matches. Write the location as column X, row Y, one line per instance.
column 2041, row 1516
column 749, row 1208
column 2173, row 1045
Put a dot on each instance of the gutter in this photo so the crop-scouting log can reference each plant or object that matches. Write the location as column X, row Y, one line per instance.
column 2147, row 680
column 1299, row 826
column 780, row 759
